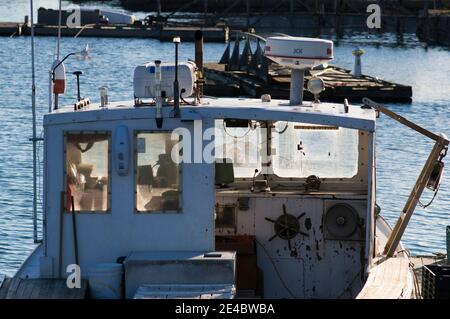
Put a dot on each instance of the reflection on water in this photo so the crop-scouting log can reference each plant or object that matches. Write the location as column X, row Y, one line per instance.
column 401, row 152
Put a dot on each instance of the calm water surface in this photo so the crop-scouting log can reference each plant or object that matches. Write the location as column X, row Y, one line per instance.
column 401, row 152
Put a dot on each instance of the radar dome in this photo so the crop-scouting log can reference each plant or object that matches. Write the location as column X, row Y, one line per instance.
column 298, row 52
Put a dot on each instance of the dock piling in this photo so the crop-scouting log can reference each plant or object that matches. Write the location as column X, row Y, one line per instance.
column 357, row 72
column 199, row 58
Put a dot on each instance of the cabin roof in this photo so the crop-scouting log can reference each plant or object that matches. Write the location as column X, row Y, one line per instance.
column 220, row 108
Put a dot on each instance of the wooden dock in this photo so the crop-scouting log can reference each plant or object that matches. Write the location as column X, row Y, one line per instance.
column 40, row 289
column 340, row 84
column 163, row 33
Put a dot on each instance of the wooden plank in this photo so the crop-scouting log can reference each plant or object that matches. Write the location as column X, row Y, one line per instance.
column 42, row 289
column 389, row 279
column 13, row 288
column 4, row 288
column 2, row 280
column 27, row 291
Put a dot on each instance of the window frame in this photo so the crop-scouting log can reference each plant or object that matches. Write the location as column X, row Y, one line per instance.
column 135, row 167
column 252, row 169
column 355, row 175
column 359, row 181
column 108, row 193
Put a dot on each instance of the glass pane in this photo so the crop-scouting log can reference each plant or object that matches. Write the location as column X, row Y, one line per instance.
column 241, row 146
column 157, row 173
column 87, row 171
column 304, row 149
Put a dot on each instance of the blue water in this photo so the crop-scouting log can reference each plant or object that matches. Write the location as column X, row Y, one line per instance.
column 400, row 152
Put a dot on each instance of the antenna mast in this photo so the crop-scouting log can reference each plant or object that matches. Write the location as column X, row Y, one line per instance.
column 59, row 31
column 34, row 138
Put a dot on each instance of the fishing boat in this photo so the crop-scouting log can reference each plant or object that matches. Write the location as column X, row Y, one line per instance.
column 173, row 194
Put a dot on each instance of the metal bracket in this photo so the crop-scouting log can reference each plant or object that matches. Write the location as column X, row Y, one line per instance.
column 413, row 199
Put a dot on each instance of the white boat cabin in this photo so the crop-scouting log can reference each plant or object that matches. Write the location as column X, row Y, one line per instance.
column 295, row 182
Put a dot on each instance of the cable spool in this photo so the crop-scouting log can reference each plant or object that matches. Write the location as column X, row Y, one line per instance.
column 59, row 78
column 341, row 220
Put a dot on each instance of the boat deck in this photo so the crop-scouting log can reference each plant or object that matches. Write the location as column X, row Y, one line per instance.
column 17, row 288
column 387, row 280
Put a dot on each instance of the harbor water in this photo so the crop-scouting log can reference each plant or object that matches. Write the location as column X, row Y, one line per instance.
column 401, row 152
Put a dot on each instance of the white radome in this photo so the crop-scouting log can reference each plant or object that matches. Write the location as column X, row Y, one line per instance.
column 298, row 52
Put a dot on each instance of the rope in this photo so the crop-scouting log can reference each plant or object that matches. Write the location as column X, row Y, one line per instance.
column 283, row 130
column 432, row 199
column 416, row 281
column 235, row 136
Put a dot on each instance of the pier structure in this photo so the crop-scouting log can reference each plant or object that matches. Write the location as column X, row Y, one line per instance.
column 163, row 33
column 398, row 15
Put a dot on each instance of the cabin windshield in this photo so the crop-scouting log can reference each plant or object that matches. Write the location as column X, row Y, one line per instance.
column 304, row 149
column 87, row 171
column 157, row 173
column 298, row 150
column 241, row 146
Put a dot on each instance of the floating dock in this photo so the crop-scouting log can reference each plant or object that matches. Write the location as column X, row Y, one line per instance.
column 247, row 72
column 340, row 84
column 163, row 33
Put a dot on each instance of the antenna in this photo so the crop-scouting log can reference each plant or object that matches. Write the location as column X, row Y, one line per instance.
column 176, row 88
column 34, row 139
column 77, row 74
column 59, row 32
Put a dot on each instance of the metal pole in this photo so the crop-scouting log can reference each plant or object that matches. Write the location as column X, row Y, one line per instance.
column 176, row 89
column 59, row 31
column 74, row 231
column 296, row 91
column 34, row 140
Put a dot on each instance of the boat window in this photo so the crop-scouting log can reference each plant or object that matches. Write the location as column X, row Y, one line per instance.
column 87, row 171
column 157, row 172
column 241, row 145
column 304, row 149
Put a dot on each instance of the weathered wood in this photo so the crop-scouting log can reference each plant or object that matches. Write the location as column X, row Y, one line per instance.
column 4, row 287
column 14, row 285
column 18, row 288
column 2, row 280
column 389, row 279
